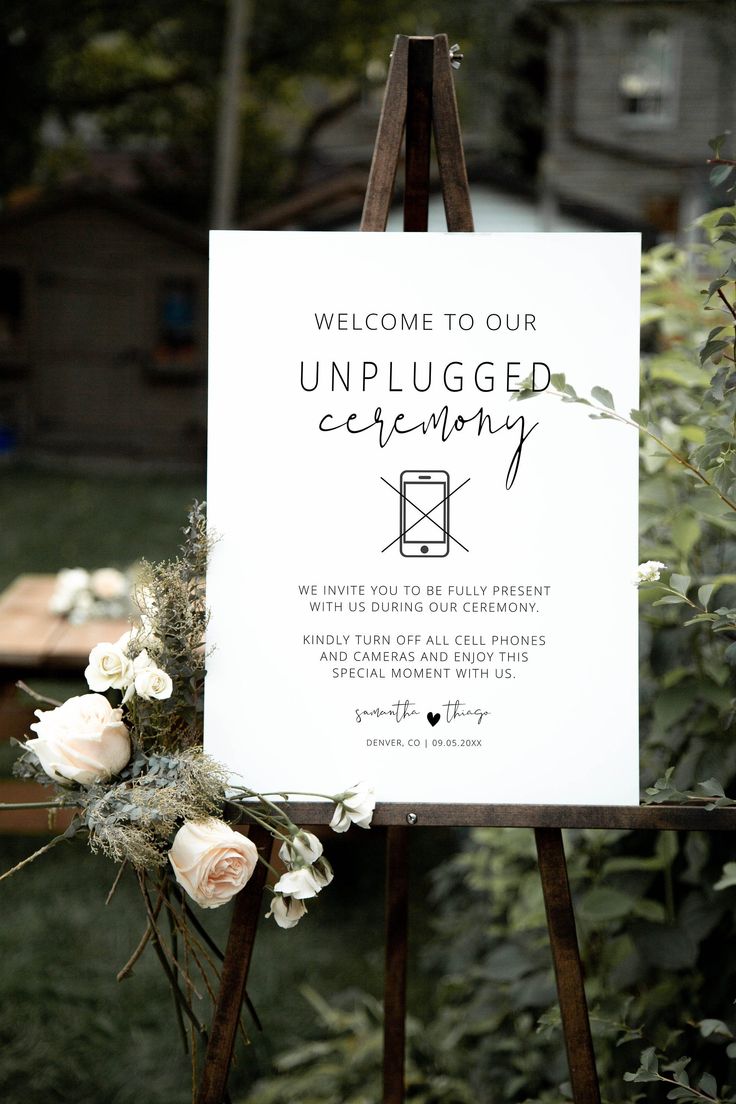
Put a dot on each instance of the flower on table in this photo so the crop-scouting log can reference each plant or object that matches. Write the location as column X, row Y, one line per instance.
column 286, row 911
column 83, row 740
column 108, row 584
column 649, row 572
column 211, row 861
column 71, row 582
column 355, row 806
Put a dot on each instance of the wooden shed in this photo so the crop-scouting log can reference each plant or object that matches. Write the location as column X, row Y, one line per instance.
column 637, row 87
column 103, row 342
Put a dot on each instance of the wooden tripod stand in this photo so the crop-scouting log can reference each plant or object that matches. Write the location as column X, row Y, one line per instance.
column 420, row 99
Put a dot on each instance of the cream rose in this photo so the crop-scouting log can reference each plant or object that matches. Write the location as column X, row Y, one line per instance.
column 211, row 861
column 84, row 740
column 108, row 583
column 109, row 668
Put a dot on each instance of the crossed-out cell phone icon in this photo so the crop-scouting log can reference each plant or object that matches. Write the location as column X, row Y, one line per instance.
column 424, row 513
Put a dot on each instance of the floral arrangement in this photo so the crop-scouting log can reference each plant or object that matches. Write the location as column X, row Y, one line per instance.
column 126, row 760
column 80, row 595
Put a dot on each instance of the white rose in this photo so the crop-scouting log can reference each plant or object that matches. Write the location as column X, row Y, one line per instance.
column 286, row 911
column 301, row 883
column 150, row 681
column 84, row 740
column 109, row 668
column 108, row 584
column 355, row 806
column 303, row 848
column 211, row 861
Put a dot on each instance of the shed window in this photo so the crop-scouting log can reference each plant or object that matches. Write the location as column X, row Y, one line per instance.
column 11, row 306
column 647, row 81
column 176, row 323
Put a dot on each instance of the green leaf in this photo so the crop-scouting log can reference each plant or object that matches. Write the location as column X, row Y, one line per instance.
column 668, row 600
column 719, row 174
column 603, row 903
column 680, row 583
column 707, row 1084
column 728, row 878
column 685, row 533
column 712, row 788
column 705, row 593
column 716, row 143
column 601, row 395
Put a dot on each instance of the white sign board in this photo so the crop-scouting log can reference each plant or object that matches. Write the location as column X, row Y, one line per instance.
column 421, row 581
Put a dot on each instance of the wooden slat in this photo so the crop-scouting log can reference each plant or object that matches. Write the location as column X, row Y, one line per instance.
column 238, row 953
column 34, row 639
column 418, row 134
column 73, row 643
column 449, row 144
column 685, row 818
column 397, row 949
column 387, row 149
column 27, row 629
column 568, row 967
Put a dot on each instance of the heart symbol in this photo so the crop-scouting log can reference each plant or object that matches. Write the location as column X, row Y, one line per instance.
column 433, row 718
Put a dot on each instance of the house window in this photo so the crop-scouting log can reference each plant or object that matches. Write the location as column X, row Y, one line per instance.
column 176, row 337
column 647, row 81
column 11, row 307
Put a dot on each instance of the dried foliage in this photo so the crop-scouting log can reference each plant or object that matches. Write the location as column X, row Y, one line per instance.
column 135, row 819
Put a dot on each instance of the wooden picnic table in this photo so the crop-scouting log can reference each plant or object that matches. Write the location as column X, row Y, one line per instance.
column 34, row 640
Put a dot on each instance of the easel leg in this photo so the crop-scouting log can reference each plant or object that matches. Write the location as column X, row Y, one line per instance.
column 394, row 1000
column 387, row 149
column 248, row 904
column 568, row 967
column 418, row 133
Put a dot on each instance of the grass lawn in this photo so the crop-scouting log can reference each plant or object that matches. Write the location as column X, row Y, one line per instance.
column 68, row 1031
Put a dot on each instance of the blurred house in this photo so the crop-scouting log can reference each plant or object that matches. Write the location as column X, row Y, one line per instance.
column 636, row 89
column 103, row 344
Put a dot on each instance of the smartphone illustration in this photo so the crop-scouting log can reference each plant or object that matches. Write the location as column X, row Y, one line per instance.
column 425, row 513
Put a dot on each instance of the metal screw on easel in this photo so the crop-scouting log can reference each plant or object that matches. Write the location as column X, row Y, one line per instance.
column 411, row 818
column 456, row 57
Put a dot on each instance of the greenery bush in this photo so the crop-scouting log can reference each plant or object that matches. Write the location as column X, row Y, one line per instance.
column 655, row 910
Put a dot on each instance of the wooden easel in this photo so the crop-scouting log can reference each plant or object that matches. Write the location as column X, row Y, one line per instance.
column 420, row 98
